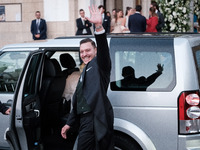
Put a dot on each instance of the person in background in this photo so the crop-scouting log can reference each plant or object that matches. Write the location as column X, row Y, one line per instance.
column 161, row 22
column 152, row 22
column 118, row 23
column 38, row 27
column 196, row 24
column 129, row 11
column 108, row 14
column 83, row 25
column 105, row 19
column 198, row 28
column 113, row 13
column 4, row 110
column 137, row 22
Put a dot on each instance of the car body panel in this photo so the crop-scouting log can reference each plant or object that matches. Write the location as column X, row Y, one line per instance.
column 149, row 117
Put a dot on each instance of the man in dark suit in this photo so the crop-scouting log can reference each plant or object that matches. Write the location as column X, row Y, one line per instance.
column 83, row 25
column 105, row 19
column 91, row 105
column 38, row 27
column 137, row 22
column 161, row 22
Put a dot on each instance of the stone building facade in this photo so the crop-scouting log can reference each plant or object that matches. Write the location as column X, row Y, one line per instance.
column 60, row 16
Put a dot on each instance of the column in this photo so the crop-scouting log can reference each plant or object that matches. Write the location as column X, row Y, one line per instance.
column 192, row 16
column 110, row 4
column 128, row 3
column 145, row 7
column 83, row 4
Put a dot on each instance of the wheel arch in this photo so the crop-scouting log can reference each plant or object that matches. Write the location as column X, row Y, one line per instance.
column 133, row 131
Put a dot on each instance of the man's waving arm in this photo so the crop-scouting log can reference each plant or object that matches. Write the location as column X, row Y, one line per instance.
column 103, row 56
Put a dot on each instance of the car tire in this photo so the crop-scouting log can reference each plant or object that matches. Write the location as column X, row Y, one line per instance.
column 124, row 142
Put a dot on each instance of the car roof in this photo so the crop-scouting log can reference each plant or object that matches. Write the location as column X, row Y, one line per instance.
column 73, row 41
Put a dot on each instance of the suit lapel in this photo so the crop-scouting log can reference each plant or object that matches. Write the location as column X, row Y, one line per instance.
column 82, row 77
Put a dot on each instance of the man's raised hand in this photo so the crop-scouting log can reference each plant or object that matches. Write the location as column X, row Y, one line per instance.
column 96, row 16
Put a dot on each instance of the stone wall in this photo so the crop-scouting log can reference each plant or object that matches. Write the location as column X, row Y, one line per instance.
column 18, row 32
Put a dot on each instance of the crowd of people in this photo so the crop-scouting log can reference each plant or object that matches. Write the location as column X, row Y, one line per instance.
column 132, row 22
column 113, row 22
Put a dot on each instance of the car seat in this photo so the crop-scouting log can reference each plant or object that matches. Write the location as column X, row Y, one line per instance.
column 68, row 63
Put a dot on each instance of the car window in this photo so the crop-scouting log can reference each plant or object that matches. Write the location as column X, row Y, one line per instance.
column 74, row 54
column 31, row 77
column 11, row 64
column 197, row 60
column 143, row 68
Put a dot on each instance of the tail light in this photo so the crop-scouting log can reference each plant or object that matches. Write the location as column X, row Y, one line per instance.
column 189, row 112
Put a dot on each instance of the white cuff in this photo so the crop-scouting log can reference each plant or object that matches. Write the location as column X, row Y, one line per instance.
column 100, row 32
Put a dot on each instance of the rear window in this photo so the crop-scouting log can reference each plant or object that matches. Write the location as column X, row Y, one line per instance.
column 142, row 64
column 196, row 51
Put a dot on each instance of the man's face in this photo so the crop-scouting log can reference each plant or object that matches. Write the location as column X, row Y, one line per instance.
column 87, row 52
column 113, row 12
column 82, row 14
column 103, row 10
column 37, row 15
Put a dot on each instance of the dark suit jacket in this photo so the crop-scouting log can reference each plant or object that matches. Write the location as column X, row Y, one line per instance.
column 137, row 23
column 96, row 78
column 161, row 22
column 42, row 28
column 106, row 24
column 80, row 27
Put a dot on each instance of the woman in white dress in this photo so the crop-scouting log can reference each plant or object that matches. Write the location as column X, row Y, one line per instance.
column 118, row 23
column 129, row 11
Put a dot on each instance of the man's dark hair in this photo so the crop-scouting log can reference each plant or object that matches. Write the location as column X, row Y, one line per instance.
column 81, row 10
column 88, row 40
column 155, row 4
column 37, row 11
column 114, row 9
column 128, row 71
column 138, row 8
column 101, row 6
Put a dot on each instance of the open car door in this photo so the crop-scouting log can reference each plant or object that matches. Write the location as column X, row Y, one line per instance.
column 24, row 129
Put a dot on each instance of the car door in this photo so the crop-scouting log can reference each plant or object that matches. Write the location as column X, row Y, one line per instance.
column 23, row 132
column 11, row 64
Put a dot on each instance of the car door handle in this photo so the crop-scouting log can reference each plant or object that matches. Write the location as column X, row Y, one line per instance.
column 19, row 118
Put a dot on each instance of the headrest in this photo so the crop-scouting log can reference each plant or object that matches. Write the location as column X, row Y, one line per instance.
column 67, row 61
column 57, row 66
column 49, row 69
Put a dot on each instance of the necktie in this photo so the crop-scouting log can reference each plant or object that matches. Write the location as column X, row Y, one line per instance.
column 84, row 30
column 37, row 25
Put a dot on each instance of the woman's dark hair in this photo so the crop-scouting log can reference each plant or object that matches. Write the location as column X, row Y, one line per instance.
column 153, row 11
column 117, row 11
column 127, row 9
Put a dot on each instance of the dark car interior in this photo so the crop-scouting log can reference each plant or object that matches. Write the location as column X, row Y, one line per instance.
column 45, row 130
